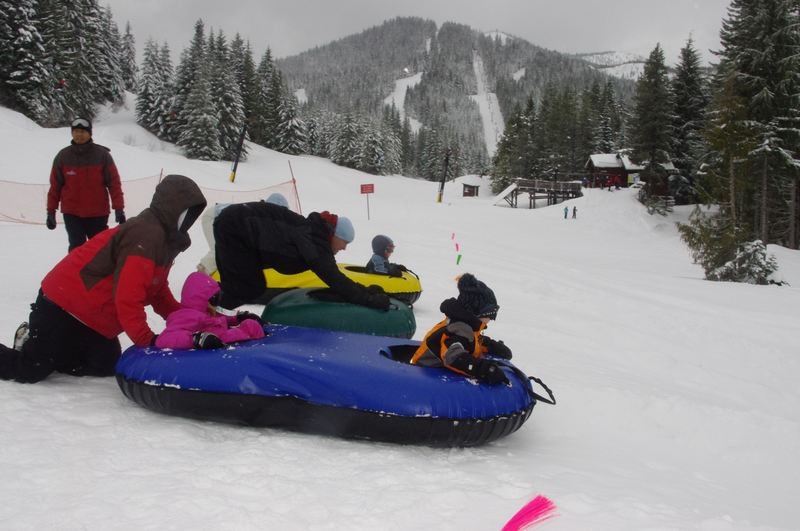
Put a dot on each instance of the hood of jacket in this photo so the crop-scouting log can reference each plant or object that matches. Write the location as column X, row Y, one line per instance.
column 174, row 195
column 197, row 290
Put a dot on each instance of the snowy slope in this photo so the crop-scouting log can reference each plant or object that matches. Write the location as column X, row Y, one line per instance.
column 398, row 97
column 489, row 107
column 625, row 65
column 677, row 397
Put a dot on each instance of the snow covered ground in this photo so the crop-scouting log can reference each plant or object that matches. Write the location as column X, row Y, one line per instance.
column 677, row 397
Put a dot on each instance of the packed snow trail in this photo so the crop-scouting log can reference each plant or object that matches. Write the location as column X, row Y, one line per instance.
column 489, row 107
column 398, row 97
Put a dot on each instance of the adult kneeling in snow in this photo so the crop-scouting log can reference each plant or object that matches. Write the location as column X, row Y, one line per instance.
column 101, row 288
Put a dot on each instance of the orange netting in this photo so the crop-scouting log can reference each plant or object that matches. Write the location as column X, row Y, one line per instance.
column 26, row 203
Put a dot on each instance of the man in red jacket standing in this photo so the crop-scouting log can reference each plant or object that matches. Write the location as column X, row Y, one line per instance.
column 82, row 180
column 101, row 288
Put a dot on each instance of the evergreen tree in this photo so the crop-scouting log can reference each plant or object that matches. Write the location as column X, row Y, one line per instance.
column 346, row 147
column 128, row 57
column 244, row 71
column 651, row 122
column 187, row 76
column 198, row 136
column 81, row 69
column 166, row 120
column 226, row 95
column 408, row 155
column 607, row 122
column 106, row 50
column 264, row 117
column 291, row 135
column 759, row 60
column 23, row 75
column 690, row 96
column 587, row 119
column 371, row 158
column 147, row 110
column 392, row 148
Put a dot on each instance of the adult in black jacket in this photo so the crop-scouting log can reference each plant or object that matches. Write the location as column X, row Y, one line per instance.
column 251, row 237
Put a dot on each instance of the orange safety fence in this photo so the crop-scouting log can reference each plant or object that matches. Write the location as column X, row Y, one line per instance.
column 27, row 203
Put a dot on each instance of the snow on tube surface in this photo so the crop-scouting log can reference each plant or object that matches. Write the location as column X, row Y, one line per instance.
column 322, row 308
column 406, row 288
column 327, row 382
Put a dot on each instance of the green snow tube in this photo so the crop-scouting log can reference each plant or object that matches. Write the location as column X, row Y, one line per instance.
column 322, row 308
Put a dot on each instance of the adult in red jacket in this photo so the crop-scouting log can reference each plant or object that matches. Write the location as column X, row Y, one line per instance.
column 101, row 288
column 83, row 178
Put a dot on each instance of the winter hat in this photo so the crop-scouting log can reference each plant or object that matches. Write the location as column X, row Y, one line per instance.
column 81, row 123
column 344, row 229
column 476, row 297
column 278, row 199
column 381, row 243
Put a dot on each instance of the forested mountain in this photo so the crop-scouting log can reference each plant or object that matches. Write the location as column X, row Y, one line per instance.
column 355, row 74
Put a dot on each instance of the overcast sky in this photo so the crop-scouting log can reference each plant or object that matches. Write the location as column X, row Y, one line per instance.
column 292, row 26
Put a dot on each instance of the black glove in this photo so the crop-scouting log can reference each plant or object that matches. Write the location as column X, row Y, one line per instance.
column 206, row 341
column 401, row 267
column 119, row 216
column 374, row 288
column 481, row 368
column 51, row 220
column 488, row 371
column 379, row 301
column 497, row 349
column 395, row 270
column 243, row 316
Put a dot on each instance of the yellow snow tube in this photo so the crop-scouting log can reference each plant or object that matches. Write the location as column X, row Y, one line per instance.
column 406, row 288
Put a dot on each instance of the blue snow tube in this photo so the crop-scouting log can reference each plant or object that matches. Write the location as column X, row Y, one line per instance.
column 329, row 382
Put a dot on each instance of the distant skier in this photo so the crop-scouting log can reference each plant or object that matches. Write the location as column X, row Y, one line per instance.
column 574, row 212
column 566, row 212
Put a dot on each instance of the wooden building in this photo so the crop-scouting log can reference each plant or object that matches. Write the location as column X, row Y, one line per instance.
column 615, row 168
column 608, row 168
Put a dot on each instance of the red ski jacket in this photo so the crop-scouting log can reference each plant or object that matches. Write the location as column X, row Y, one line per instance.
column 107, row 282
column 82, row 179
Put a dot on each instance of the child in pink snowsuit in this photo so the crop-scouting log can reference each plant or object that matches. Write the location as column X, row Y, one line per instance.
column 197, row 320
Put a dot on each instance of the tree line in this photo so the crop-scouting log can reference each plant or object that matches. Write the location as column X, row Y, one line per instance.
column 732, row 134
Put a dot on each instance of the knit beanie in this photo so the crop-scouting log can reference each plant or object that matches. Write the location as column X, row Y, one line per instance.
column 341, row 227
column 380, row 243
column 278, row 199
column 344, row 229
column 476, row 297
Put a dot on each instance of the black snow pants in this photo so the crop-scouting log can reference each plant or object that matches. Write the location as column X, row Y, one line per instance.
column 81, row 229
column 58, row 342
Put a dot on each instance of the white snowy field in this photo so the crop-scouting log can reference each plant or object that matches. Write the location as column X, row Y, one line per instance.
column 677, row 397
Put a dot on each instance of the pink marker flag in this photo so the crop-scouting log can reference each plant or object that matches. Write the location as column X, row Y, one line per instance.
column 535, row 512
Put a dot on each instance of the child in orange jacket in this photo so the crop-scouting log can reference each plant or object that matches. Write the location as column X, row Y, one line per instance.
column 458, row 342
